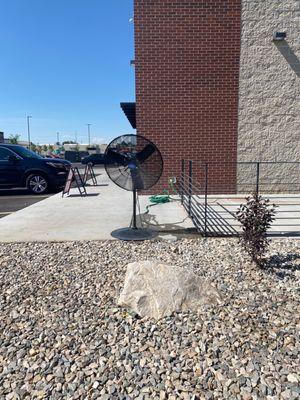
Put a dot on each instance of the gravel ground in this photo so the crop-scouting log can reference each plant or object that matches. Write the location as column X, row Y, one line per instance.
column 63, row 337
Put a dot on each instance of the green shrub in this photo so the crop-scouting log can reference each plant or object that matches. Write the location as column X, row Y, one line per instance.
column 256, row 217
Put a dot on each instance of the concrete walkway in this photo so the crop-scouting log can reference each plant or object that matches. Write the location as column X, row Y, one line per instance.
column 106, row 208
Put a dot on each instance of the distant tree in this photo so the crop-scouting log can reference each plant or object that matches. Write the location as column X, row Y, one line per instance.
column 45, row 147
column 14, row 139
column 33, row 147
column 39, row 149
column 51, row 148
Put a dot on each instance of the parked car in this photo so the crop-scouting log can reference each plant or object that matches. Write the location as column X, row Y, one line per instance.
column 75, row 156
column 94, row 159
column 20, row 167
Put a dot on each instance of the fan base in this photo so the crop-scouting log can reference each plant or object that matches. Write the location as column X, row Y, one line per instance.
column 131, row 234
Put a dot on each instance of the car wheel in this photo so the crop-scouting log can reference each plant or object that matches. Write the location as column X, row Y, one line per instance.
column 37, row 184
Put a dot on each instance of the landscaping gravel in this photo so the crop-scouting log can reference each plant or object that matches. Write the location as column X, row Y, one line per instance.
column 63, row 337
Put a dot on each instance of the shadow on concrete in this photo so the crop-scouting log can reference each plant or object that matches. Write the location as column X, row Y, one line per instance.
column 24, row 191
column 289, row 56
column 89, row 185
column 14, row 192
column 176, row 229
column 84, row 195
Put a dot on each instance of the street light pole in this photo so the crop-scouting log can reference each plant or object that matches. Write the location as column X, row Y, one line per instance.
column 89, row 133
column 57, row 134
column 28, row 130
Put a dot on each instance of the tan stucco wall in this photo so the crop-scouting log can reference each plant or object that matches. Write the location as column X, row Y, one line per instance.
column 269, row 100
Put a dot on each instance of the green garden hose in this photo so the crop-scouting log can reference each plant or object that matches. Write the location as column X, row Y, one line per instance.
column 163, row 198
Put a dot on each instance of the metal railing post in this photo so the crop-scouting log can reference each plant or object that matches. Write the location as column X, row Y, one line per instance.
column 257, row 177
column 206, row 200
column 190, row 185
column 182, row 180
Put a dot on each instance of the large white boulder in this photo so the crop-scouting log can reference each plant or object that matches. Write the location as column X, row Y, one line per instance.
column 156, row 290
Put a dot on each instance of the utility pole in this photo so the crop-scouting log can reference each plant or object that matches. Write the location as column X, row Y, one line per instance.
column 28, row 130
column 75, row 136
column 89, row 133
column 57, row 135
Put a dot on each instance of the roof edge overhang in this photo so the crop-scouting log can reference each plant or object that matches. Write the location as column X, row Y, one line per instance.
column 129, row 110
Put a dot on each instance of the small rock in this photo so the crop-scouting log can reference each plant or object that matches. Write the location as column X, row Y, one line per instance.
column 162, row 395
column 293, row 378
column 96, row 384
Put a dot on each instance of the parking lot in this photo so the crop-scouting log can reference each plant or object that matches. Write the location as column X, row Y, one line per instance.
column 16, row 199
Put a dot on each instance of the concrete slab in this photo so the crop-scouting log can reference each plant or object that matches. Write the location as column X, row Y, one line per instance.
column 106, row 208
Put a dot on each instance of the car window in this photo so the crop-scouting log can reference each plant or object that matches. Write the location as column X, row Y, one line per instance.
column 23, row 152
column 4, row 154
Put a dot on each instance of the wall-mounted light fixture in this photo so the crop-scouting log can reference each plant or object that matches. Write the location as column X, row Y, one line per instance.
column 279, row 36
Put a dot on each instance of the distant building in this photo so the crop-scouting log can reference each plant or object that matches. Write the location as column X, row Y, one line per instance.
column 75, row 152
column 99, row 148
column 23, row 143
column 83, row 149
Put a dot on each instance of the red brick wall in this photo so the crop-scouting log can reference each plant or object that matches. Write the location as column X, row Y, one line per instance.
column 187, row 74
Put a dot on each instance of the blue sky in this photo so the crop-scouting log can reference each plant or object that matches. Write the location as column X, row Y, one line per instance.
column 66, row 63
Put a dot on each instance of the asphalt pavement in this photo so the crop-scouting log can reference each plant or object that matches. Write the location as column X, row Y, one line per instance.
column 14, row 200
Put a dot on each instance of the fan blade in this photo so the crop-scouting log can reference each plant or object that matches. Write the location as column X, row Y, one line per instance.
column 137, row 181
column 112, row 157
column 125, row 181
column 147, row 152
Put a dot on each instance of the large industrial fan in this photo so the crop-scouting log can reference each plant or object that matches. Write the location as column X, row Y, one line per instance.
column 133, row 163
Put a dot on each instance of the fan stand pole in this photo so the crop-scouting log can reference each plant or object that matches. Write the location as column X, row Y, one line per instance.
column 134, row 226
column 133, row 233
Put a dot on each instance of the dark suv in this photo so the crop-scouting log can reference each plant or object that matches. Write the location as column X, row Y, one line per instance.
column 20, row 167
column 94, row 159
